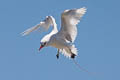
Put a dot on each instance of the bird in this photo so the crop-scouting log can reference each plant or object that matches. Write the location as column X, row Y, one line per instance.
column 63, row 39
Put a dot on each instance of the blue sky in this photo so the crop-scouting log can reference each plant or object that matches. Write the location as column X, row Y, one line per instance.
column 98, row 41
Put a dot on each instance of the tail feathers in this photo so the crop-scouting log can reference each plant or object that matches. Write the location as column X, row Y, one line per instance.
column 69, row 53
column 74, row 50
column 81, row 68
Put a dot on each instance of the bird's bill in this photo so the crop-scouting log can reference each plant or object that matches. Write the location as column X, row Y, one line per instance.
column 40, row 47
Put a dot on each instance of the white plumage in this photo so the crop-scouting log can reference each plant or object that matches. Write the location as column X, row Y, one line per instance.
column 62, row 40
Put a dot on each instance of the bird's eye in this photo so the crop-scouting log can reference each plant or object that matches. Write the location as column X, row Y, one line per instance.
column 44, row 43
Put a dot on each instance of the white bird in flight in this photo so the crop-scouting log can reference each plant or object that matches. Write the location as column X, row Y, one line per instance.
column 63, row 39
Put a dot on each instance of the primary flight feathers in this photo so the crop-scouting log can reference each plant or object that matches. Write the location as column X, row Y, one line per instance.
column 43, row 25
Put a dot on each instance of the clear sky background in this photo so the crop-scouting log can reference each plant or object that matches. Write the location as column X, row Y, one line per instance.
column 98, row 41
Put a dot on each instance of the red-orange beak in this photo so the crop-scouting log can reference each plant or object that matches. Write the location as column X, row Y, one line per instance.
column 40, row 47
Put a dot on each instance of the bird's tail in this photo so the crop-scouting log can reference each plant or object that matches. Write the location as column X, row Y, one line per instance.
column 74, row 50
column 67, row 51
column 81, row 68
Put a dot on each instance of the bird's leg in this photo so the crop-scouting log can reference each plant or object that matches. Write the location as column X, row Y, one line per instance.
column 58, row 52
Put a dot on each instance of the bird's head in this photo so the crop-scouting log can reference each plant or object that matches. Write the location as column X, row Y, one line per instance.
column 45, row 41
column 42, row 44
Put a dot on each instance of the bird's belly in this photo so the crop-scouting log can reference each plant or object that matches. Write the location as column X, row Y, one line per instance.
column 58, row 44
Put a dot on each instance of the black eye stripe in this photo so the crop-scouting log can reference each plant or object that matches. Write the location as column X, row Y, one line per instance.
column 44, row 43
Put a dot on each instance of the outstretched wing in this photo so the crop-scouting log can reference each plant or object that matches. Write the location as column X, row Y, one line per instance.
column 43, row 25
column 69, row 20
